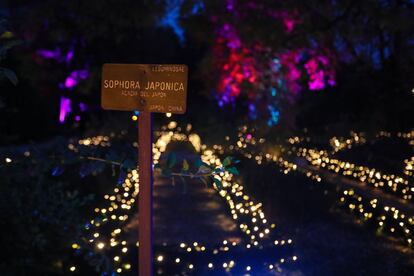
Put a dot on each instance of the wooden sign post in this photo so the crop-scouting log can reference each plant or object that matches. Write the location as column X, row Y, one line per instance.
column 145, row 193
column 147, row 88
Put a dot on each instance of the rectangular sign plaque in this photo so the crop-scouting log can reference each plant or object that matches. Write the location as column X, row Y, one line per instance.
column 158, row 88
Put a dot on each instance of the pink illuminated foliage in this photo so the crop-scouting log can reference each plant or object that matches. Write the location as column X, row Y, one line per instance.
column 320, row 72
column 238, row 66
column 285, row 73
column 289, row 19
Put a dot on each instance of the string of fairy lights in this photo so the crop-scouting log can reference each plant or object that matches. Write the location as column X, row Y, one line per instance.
column 106, row 234
column 247, row 213
column 409, row 166
column 408, row 163
column 339, row 144
column 389, row 183
column 388, row 219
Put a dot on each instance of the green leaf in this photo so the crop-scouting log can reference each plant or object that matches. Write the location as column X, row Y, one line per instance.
column 198, row 162
column 227, row 161
column 10, row 75
column 186, row 166
column 172, row 159
column 233, row 170
column 218, row 170
column 157, row 166
column 218, row 183
column 7, row 35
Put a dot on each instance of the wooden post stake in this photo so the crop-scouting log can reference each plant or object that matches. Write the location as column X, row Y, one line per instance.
column 145, row 194
column 147, row 88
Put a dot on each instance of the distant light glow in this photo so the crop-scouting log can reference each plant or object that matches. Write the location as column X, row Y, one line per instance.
column 49, row 54
column 172, row 16
column 230, row 5
column 69, row 56
column 82, row 107
column 274, row 116
column 75, row 76
column 70, row 82
column 252, row 111
column 197, row 7
column 289, row 24
column 57, row 55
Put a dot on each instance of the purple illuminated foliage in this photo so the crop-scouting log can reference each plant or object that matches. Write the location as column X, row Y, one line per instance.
column 70, row 82
column 65, row 108
column 230, row 5
column 82, row 107
column 74, row 77
column 57, row 55
column 48, row 54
